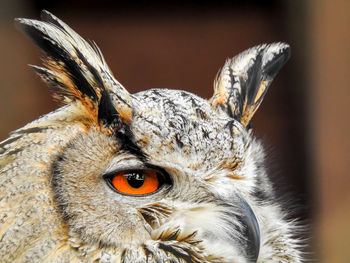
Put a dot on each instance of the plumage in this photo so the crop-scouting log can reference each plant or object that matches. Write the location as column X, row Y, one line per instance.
column 63, row 176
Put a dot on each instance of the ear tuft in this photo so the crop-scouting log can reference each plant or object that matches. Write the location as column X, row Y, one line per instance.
column 75, row 70
column 243, row 81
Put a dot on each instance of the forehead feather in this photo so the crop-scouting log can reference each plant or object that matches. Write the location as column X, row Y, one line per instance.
column 169, row 122
column 165, row 103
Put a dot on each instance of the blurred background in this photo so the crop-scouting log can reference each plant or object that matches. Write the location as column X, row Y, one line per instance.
column 303, row 121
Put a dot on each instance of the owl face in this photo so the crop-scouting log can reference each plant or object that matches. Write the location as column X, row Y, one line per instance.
column 198, row 157
column 156, row 176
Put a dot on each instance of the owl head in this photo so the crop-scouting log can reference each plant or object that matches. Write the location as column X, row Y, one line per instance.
column 157, row 176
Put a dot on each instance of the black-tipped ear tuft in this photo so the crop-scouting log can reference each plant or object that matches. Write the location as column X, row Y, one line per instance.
column 243, row 81
column 75, row 70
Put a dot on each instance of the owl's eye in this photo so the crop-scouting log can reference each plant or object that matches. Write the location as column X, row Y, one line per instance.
column 136, row 182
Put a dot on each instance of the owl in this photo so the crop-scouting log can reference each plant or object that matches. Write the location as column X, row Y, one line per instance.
column 157, row 176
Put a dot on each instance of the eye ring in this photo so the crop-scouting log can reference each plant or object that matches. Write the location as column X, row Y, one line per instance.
column 138, row 182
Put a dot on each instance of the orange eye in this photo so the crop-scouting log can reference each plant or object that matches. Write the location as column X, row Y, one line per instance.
column 139, row 182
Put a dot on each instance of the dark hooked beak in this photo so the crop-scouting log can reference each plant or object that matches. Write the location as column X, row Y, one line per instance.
column 251, row 231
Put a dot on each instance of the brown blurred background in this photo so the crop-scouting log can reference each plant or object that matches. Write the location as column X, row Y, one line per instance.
column 303, row 121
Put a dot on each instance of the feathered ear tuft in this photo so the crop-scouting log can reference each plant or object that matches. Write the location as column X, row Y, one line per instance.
column 77, row 71
column 243, row 81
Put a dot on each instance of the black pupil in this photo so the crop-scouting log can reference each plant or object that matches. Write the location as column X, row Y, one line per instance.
column 135, row 179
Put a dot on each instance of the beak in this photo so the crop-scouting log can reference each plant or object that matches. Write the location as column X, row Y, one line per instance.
column 251, row 230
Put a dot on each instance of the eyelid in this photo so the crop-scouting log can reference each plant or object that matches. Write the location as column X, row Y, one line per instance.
column 131, row 169
column 119, row 163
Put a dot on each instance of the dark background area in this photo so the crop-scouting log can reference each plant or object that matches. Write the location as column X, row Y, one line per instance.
column 303, row 121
